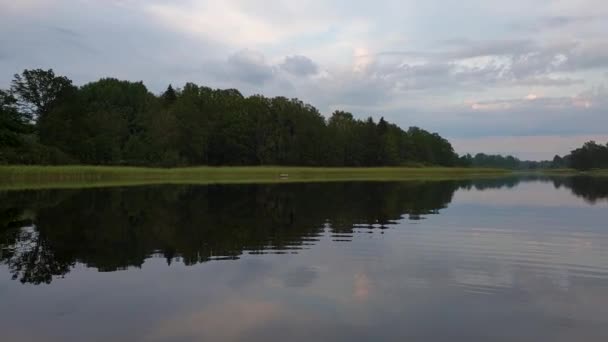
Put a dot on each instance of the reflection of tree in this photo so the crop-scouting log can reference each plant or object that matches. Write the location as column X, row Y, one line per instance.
column 592, row 189
column 45, row 233
column 25, row 249
column 31, row 259
column 503, row 182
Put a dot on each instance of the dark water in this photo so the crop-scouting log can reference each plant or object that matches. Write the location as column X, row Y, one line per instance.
column 491, row 260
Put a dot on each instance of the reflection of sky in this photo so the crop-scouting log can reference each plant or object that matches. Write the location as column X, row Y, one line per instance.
column 497, row 265
column 526, row 194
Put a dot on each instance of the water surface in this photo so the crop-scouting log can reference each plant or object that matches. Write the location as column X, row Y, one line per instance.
column 492, row 260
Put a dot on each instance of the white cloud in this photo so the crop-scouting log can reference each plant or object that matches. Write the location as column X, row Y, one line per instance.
column 218, row 20
column 531, row 97
column 241, row 23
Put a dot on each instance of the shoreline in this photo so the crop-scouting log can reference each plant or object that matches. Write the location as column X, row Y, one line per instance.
column 56, row 177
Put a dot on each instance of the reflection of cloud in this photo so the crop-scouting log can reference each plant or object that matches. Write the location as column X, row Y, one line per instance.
column 487, row 280
column 226, row 321
column 252, row 271
column 301, row 277
column 361, row 287
column 531, row 195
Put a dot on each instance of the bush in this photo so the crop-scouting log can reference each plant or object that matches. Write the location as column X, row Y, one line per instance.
column 33, row 153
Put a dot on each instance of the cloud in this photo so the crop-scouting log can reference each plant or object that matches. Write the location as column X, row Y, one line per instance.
column 550, row 81
column 23, row 5
column 301, row 277
column 418, row 64
column 544, row 23
column 361, row 287
column 250, row 66
column 467, row 48
column 299, row 66
column 239, row 23
column 217, row 322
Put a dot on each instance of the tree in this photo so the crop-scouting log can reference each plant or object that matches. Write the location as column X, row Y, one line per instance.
column 12, row 123
column 342, row 134
column 193, row 123
column 265, row 127
column 557, row 162
column 169, row 96
column 389, row 136
column 38, row 90
column 591, row 156
column 465, row 160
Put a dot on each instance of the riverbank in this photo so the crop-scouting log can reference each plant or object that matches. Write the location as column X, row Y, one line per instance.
column 573, row 172
column 40, row 177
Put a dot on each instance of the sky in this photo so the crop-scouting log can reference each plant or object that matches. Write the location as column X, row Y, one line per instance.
column 521, row 77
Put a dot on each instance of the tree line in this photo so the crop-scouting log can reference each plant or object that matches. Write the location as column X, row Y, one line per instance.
column 482, row 160
column 45, row 119
column 587, row 157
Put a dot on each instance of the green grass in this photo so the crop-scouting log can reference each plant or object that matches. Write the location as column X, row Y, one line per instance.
column 40, row 177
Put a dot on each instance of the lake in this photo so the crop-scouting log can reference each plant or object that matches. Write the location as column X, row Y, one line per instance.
column 514, row 259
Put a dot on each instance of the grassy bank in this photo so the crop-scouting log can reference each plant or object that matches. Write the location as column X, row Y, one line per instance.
column 36, row 177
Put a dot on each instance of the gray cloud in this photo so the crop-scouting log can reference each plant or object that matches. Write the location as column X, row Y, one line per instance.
column 466, row 48
column 250, row 66
column 552, row 23
column 531, row 58
column 509, row 63
column 301, row 276
column 300, row 66
column 561, row 21
column 588, row 56
column 582, row 113
column 547, row 81
column 79, row 42
column 65, row 31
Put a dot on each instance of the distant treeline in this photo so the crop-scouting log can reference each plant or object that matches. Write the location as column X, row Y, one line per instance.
column 590, row 156
column 504, row 162
column 44, row 119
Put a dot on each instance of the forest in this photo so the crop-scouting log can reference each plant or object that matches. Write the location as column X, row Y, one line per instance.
column 45, row 119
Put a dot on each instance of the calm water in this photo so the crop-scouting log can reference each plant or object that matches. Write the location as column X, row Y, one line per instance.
column 492, row 260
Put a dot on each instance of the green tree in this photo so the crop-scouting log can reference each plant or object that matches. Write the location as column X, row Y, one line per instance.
column 169, row 96
column 12, row 123
column 191, row 111
column 590, row 156
column 37, row 91
column 110, row 121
